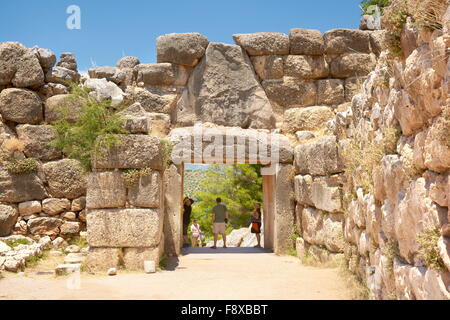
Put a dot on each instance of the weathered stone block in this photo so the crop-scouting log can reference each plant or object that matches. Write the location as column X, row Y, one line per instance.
column 36, row 142
column 352, row 65
column 303, row 185
column 135, row 152
column 101, row 259
column 134, row 257
column 223, row 89
column 309, row 118
column 326, row 195
column 288, row 93
column 319, row 157
column 70, row 228
column 20, row 188
column 306, row 41
column 66, row 178
column 8, row 218
column 56, row 106
column 45, row 226
column 268, row 67
column 147, row 191
column 330, row 92
column 306, row 67
column 19, row 66
column 284, row 225
column 21, row 106
column 162, row 74
column 106, row 190
column 136, row 228
column 263, row 43
column 173, row 215
column 55, row 206
column 181, row 48
column 339, row 41
column 29, row 207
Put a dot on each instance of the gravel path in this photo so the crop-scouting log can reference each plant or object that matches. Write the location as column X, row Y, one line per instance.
column 201, row 273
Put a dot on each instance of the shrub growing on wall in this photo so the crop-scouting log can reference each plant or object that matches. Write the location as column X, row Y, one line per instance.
column 95, row 130
column 368, row 3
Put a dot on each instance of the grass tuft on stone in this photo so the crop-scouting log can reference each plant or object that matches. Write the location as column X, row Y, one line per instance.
column 429, row 250
column 22, row 166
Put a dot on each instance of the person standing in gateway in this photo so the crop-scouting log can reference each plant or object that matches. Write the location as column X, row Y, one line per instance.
column 220, row 219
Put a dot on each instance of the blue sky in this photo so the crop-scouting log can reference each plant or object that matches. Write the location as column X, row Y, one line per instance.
column 112, row 29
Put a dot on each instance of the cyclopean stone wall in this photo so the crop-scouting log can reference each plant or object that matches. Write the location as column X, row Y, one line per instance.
column 50, row 199
column 392, row 142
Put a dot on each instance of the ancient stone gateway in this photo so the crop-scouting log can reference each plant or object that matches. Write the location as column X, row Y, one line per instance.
column 140, row 222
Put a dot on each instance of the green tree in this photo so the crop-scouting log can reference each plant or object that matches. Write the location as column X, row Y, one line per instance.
column 239, row 186
column 95, row 130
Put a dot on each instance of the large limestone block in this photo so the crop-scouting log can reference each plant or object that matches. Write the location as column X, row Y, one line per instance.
column 128, row 62
column 309, row 118
column 403, row 287
column 395, row 178
column 52, row 206
column 134, row 152
column 330, row 92
column 303, row 190
column 67, row 60
column 109, row 73
column 352, row 65
column 106, row 190
column 56, row 106
column 136, row 119
column 134, row 257
column 444, row 250
column 62, row 76
column 173, row 217
column 288, row 93
column 326, row 194
column 239, row 144
column 268, row 67
column 21, row 188
column 146, row 192
column 66, row 178
column 306, row 67
column 263, row 43
column 284, row 225
column 101, row 259
column 21, row 106
column 162, row 74
column 19, row 66
column 152, row 99
column 36, row 140
column 339, row 41
column 181, row 48
column 135, row 228
column 8, row 218
column 436, row 285
column 319, row 157
column 46, row 57
column 223, row 89
column 417, row 214
column 333, row 232
column 104, row 90
column 439, row 187
column 436, row 150
column 45, row 226
column 29, row 207
column 306, row 41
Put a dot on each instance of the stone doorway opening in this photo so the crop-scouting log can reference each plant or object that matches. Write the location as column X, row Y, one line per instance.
column 240, row 185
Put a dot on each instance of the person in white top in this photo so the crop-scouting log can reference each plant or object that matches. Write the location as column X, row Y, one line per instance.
column 196, row 234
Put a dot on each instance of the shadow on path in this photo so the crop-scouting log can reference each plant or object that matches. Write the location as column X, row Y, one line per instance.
column 233, row 250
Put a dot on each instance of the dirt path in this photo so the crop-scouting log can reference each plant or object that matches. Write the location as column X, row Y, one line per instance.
column 200, row 274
